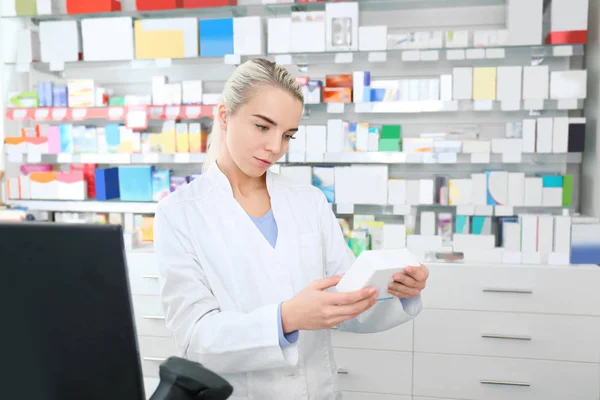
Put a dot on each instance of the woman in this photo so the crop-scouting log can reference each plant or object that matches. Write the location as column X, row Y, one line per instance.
column 246, row 256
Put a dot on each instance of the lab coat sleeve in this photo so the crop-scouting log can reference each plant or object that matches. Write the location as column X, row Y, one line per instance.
column 385, row 314
column 224, row 341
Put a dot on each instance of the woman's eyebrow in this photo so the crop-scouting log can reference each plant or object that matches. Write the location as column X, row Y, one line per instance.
column 269, row 120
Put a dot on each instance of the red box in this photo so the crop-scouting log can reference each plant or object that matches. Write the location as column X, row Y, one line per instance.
column 92, row 6
column 208, row 3
column 154, row 5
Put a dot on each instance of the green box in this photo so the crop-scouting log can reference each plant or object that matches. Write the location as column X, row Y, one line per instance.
column 567, row 200
column 25, row 7
column 24, row 99
column 391, row 132
column 389, row 145
column 116, row 101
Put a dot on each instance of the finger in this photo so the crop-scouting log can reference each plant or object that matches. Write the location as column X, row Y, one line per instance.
column 356, row 308
column 326, row 283
column 406, row 280
column 404, row 292
column 418, row 273
column 349, row 297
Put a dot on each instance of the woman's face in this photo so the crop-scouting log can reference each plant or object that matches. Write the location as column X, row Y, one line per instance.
column 258, row 134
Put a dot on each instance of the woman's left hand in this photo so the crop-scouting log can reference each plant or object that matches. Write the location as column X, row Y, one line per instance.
column 410, row 283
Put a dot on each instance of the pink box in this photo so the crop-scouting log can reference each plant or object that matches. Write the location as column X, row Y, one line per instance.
column 53, row 139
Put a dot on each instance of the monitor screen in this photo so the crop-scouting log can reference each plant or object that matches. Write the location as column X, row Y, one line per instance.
column 67, row 329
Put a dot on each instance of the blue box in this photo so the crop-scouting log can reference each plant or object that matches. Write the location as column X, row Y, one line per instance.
column 216, row 37
column 585, row 244
column 59, row 96
column 107, row 184
column 161, row 184
column 552, row 181
column 113, row 137
column 135, row 183
column 66, row 138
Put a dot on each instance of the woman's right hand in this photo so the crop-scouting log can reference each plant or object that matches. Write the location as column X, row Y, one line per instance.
column 314, row 308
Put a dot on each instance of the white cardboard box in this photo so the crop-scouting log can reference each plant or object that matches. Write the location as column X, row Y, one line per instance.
column 511, row 236
column 248, row 36
column 476, row 146
column 394, row 236
column 509, row 83
column 516, row 188
column 507, row 145
column 59, row 41
column 446, row 88
column 316, row 139
column 529, row 135
column 544, row 135
column 463, row 83
column 372, row 38
column 376, row 268
column 279, row 35
column 552, row 197
column 397, row 191
column 361, row 185
column 524, row 22
column 536, row 80
column 335, row 136
column 427, row 223
column 529, row 233
column 533, row 192
column 562, row 234
column 107, row 39
column 568, row 85
column 560, row 137
column 426, row 191
column 479, row 189
column 342, row 26
column 308, row 32
column 545, row 236
column 413, row 192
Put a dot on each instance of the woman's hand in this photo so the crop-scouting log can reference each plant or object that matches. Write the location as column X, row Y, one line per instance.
column 410, row 283
column 314, row 308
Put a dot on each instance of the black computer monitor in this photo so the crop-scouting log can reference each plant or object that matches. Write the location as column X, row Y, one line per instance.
column 67, row 330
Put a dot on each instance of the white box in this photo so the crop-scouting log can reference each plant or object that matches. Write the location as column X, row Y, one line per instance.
column 552, row 197
column 59, row 41
column 457, row 39
column 427, row 223
column 463, row 83
column 72, row 190
column 361, row 82
column 413, row 192
column 529, row 135
column 497, row 187
column 426, row 191
column 509, row 83
column 248, row 36
column 192, row 92
column 211, row 98
column 460, row 192
column 545, row 236
column 544, row 135
column 516, row 188
column 342, row 26
column 479, row 189
column 8, row 8
column 511, row 236
column 565, row 16
column 560, row 136
column 361, row 185
column 562, row 234
column 308, row 32
column 301, row 174
column 372, row 38
column 466, row 242
column 279, row 40
column 533, row 192
column 536, row 81
column 297, row 147
column 568, row 85
column 524, row 22
column 316, row 139
column 374, row 140
column 529, row 233
column 107, row 39
column 44, row 7
column 362, row 137
column 335, row 136
column 421, row 244
column 507, row 145
column 446, row 88
column 394, row 236
column 396, row 191
column 376, row 268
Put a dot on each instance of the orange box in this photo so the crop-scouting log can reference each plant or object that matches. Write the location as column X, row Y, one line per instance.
column 337, row 95
column 339, row 81
column 92, row 6
column 148, row 229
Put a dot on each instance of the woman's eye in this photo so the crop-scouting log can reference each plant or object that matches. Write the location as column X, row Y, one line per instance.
column 262, row 127
column 289, row 137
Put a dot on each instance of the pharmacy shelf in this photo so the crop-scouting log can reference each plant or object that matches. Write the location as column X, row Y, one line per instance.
column 307, row 159
column 279, row 9
column 416, row 107
column 150, row 208
column 116, row 113
column 86, row 206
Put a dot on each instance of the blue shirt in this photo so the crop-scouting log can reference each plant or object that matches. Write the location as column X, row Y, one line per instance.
column 268, row 227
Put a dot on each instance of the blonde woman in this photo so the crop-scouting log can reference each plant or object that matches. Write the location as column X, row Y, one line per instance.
column 246, row 256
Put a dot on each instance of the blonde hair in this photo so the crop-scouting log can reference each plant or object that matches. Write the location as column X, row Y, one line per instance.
column 245, row 81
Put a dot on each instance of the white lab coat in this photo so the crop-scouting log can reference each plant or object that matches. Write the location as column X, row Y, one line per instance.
column 221, row 283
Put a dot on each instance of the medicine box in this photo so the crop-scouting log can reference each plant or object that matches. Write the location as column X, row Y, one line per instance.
column 376, row 268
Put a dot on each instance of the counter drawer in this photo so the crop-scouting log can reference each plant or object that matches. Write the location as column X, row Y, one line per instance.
column 149, row 316
column 399, row 339
column 153, row 351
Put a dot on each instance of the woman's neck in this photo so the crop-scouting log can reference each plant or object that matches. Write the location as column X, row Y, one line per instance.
column 239, row 181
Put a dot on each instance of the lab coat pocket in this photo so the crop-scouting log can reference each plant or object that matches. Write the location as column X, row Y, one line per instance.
column 311, row 256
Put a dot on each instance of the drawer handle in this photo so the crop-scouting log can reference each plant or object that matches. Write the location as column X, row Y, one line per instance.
column 342, row 372
column 150, row 276
column 505, row 383
column 511, row 337
column 154, row 317
column 508, row 290
column 154, row 359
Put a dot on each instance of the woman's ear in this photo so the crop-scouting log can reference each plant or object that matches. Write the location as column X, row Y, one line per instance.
column 222, row 116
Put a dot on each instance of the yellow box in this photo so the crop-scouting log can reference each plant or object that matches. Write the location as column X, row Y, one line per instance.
column 484, row 83
column 168, row 140
column 183, row 138
column 147, row 229
column 195, row 138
